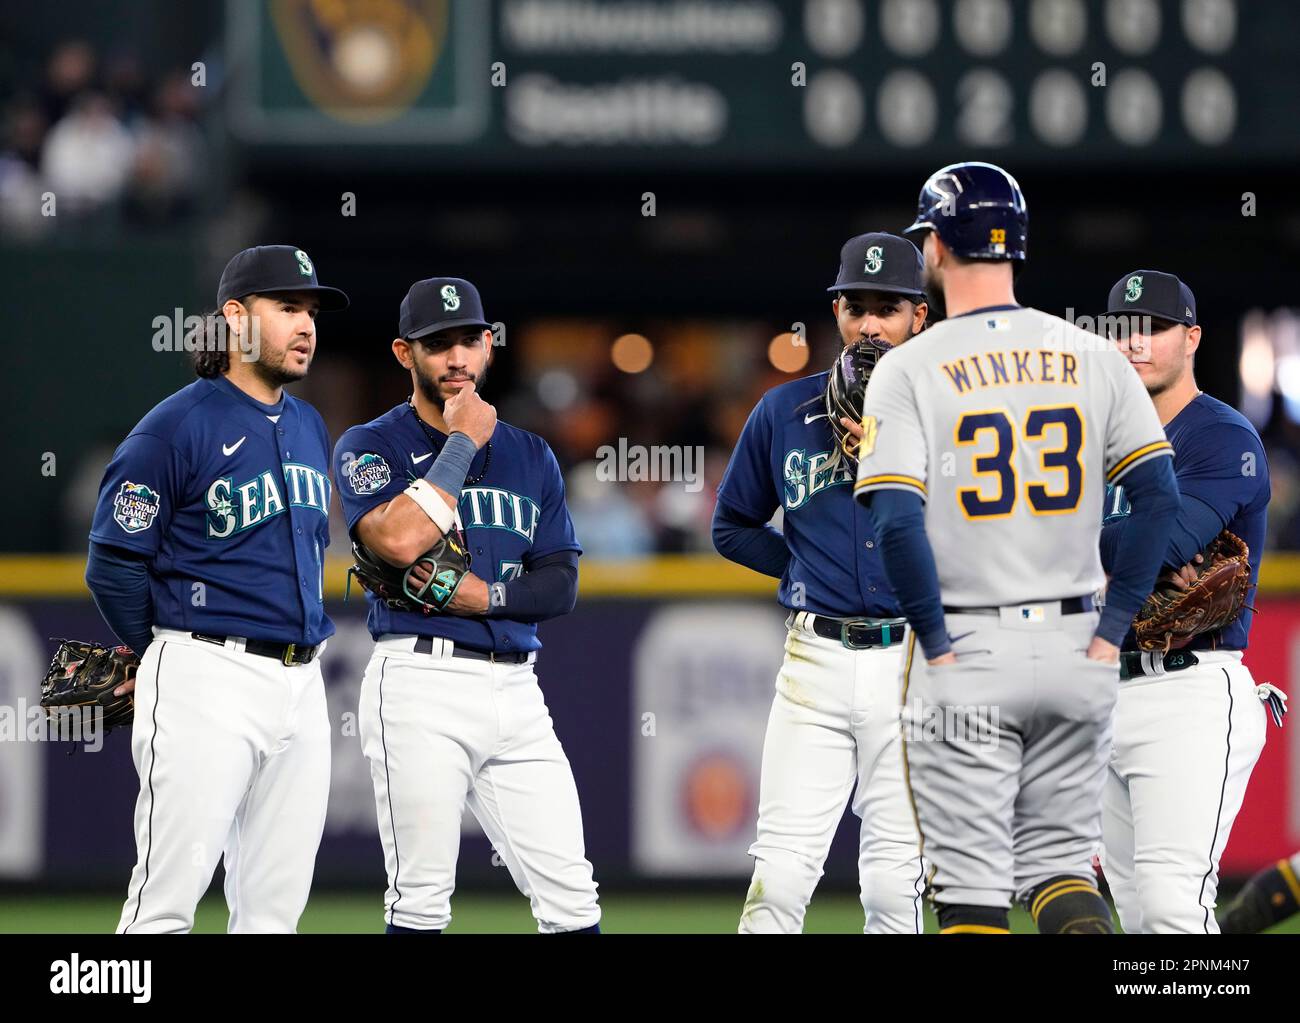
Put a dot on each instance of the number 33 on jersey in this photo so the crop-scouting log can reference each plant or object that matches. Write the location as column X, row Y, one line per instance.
column 1008, row 423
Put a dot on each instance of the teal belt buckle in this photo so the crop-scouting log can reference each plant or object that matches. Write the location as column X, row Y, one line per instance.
column 884, row 635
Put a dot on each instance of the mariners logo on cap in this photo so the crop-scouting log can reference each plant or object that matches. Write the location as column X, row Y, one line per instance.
column 135, row 507
column 450, row 299
column 1133, row 288
column 304, row 264
column 875, row 260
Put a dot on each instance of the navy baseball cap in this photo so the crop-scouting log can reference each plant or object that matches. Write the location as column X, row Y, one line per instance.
column 439, row 303
column 881, row 262
column 1155, row 294
column 269, row 268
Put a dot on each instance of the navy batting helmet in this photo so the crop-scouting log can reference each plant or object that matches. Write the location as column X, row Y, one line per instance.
column 977, row 209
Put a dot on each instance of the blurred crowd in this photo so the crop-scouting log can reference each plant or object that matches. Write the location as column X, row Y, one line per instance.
column 91, row 142
column 98, row 143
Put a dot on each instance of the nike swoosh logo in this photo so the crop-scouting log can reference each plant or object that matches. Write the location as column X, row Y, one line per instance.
column 810, row 419
column 421, row 458
column 230, row 449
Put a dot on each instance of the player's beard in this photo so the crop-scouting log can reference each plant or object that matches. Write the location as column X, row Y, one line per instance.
column 274, row 371
column 429, row 386
column 932, row 279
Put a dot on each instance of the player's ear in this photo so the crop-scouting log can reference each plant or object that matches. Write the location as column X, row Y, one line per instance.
column 835, row 306
column 402, row 352
column 488, row 338
column 920, row 313
column 235, row 314
column 1193, row 340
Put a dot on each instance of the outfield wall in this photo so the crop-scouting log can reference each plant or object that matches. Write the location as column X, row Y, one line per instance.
column 659, row 684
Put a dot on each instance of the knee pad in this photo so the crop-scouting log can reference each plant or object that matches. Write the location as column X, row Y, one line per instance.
column 958, row 919
column 1069, row 905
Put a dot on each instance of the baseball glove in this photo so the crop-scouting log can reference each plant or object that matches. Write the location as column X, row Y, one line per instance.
column 1171, row 617
column 846, row 387
column 85, row 675
column 442, row 568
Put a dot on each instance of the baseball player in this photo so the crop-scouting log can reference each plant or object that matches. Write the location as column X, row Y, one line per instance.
column 834, row 719
column 206, row 555
column 986, row 444
column 1189, row 724
column 1271, row 896
column 451, row 711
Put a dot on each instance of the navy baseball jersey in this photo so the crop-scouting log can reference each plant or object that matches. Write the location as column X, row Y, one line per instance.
column 513, row 515
column 1218, row 459
column 783, row 459
column 228, row 499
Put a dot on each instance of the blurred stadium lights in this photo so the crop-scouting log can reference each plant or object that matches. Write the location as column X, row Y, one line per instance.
column 557, row 389
column 632, row 353
column 1270, row 361
column 788, row 353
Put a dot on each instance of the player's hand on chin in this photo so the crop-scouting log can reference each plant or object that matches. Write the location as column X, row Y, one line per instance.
column 1103, row 650
column 471, row 597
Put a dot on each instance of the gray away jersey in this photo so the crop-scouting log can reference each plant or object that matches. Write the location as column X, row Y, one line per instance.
column 1009, row 423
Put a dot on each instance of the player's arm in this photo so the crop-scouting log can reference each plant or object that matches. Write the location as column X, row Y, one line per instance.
column 402, row 529
column 548, row 585
column 1219, row 473
column 1152, row 491
column 898, row 518
column 400, row 522
column 747, row 499
column 118, row 580
column 892, row 473
column 1138, row 455
column 138, row 497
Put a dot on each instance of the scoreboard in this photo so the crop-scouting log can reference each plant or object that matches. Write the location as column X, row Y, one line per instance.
column 767, row 83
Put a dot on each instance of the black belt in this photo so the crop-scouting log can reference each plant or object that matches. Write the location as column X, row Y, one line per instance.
column 1136, row 664
column 859, row 634
column 1069, row 606
column 424, row 645
column 287, row 654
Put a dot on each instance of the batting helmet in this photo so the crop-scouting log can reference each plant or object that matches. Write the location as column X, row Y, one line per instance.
column 977, row 209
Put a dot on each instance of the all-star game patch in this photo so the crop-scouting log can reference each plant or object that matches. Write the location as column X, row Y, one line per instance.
column 135, row 507
column 369, row 475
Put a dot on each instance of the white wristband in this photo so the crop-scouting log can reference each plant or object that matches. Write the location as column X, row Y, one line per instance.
column 432, row 504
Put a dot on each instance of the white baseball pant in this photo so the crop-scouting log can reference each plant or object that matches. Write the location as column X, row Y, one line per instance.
column 834, row 723
column 442, row 731
column 1185, row 745
column 233, row 754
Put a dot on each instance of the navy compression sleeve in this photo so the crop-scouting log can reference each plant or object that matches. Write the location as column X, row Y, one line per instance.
column 899, row 519
column 1140, row 549
column 547, row 590
column 756, row 545
column 119, row 581
column 1197, row 524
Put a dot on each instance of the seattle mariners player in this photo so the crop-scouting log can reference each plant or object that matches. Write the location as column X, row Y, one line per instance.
column 834, row 718
column 451, row 711
column 205, row 557
column 986, row 442
column 1189, row 724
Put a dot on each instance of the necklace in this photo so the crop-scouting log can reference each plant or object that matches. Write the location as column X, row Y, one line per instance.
column 487, row 450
